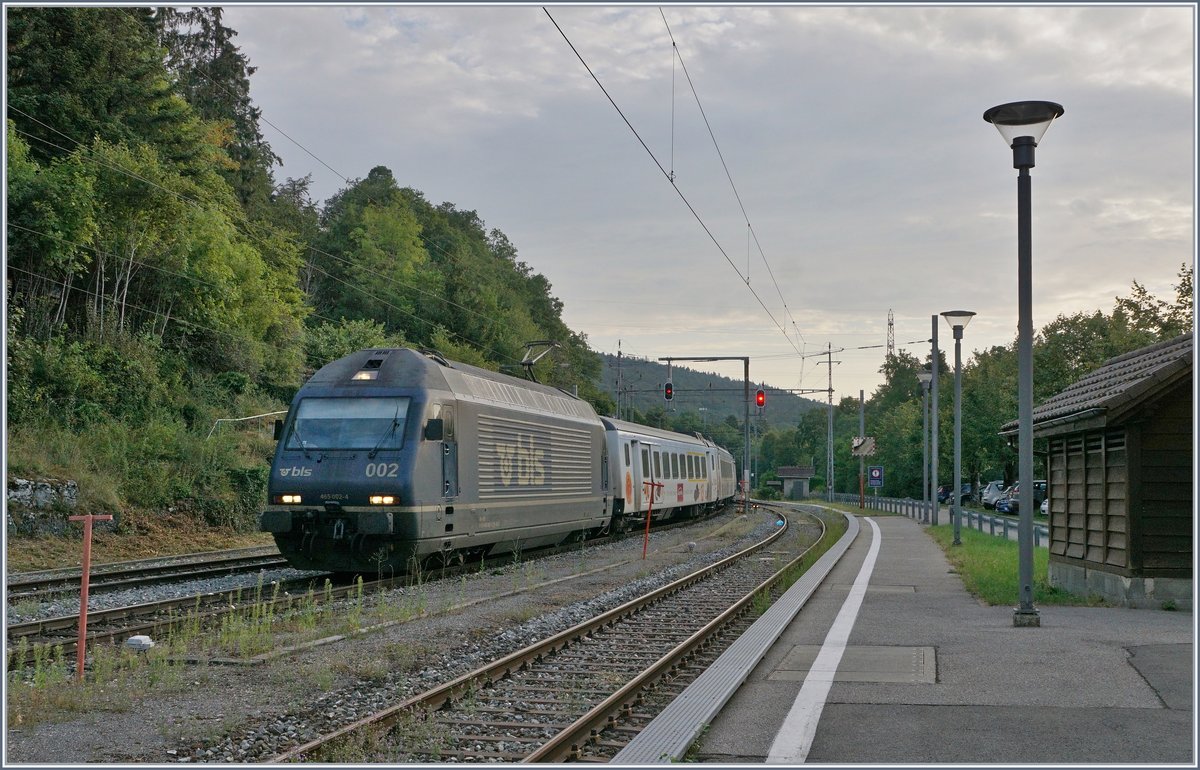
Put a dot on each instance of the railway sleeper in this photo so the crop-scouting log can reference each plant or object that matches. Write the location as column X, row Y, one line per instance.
column 551, row 701
column 560, row 726
column 535, row 740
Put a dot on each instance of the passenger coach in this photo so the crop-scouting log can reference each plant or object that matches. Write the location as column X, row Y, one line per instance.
column 687, row 474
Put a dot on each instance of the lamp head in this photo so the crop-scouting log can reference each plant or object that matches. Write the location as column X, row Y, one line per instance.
column 1023, row 119
column 958, row 319
column 924, row 377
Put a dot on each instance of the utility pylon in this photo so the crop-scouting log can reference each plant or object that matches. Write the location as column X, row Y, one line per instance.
column 891, row 340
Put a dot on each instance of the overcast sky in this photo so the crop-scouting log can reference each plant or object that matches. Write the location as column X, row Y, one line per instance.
column 853, row 135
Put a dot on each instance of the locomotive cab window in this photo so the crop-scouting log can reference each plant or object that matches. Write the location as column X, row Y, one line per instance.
column 349, row 423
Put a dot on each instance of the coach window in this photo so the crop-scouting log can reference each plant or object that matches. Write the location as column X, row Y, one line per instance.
column 657, row 465
column 645, row 463
column 627, row 463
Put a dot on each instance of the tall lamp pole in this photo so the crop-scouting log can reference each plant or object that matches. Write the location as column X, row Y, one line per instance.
column 924, row 376
column 958, row 320
column 935, row 364
column 1022, row 124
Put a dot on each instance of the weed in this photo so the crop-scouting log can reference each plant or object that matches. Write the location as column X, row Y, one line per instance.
column 761, row 602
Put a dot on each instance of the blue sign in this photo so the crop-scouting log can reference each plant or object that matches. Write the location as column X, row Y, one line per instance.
column 875, row 476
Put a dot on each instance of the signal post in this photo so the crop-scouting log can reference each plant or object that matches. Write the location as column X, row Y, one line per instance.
column 670, row 393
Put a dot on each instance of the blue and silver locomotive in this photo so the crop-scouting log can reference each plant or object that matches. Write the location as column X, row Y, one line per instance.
column 391, row 458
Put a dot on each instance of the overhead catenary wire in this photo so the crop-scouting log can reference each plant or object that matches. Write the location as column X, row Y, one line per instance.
column 749, row 227
column 668, row 176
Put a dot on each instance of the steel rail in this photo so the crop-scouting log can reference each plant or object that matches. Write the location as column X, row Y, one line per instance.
column 22, row 588
column 73, row 573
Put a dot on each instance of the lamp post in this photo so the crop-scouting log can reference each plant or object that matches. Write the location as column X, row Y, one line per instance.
column 935, row 364
column 924, row 376
column 958, row 320
column 1022, row 125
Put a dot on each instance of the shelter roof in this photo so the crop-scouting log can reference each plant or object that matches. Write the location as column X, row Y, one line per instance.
column 1120, row 385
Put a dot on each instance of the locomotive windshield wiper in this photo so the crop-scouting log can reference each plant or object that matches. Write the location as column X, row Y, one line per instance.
column 389, row 432
column 303, row 444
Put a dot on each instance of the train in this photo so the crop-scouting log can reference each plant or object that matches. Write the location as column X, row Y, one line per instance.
column 390, row 459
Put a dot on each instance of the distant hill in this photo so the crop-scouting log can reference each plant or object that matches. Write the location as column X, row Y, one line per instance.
column 718, row 396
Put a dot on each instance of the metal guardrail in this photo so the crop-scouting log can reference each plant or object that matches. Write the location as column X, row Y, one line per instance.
column 1000, row 526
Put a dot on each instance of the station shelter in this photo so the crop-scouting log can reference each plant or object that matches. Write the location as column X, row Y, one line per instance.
column 1119, row 459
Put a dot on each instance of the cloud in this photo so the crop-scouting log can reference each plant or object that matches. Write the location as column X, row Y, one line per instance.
column 854, row 136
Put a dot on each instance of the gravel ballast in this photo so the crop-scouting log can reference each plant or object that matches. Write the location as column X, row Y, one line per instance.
column 253, row 713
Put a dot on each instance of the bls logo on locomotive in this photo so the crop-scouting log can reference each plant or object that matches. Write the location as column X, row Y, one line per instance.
column 294, row 471
column 521, row 463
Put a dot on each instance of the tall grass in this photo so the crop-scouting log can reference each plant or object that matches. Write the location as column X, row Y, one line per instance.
column 988, row 567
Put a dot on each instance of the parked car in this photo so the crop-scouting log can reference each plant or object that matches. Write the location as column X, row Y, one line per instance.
column 965, row 495
column 992, row 492
column 1040, row 492
column 1046, row 507
column 1010, row 502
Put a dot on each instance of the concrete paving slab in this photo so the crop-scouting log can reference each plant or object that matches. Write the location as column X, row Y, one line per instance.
column 912, row 665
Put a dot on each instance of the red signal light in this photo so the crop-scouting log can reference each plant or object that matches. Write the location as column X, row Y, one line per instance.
column 669, row 391
column 760, row 399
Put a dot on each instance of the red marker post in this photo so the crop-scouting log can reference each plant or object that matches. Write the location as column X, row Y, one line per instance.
column 653, row 485
column 81, row 645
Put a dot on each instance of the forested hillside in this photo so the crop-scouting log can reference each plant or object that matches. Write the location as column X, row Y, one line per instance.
column 714, row 397
column 160, row 274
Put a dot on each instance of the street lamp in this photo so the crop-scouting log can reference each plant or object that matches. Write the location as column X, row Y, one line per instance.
column 1022, row 125
column 925, row 376
column 935, row 359
column 958, row 320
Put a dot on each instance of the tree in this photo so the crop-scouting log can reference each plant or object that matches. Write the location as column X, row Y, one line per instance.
column 1157, row 319
column 213, row 76
column 79, row 73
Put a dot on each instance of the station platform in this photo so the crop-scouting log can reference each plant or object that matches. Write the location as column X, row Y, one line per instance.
column 888, row 660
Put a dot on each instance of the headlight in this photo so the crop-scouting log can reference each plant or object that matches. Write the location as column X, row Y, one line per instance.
column 383, row 500
column 288, row 500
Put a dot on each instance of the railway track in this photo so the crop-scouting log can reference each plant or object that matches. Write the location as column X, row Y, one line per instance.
column 118, row 624
column 122, row 575
column 581, row 694
column 36, row 639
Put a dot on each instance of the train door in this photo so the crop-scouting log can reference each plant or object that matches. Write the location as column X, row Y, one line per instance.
column 639, row 468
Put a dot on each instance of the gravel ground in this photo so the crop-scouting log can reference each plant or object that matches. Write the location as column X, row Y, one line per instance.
column 252, row 713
